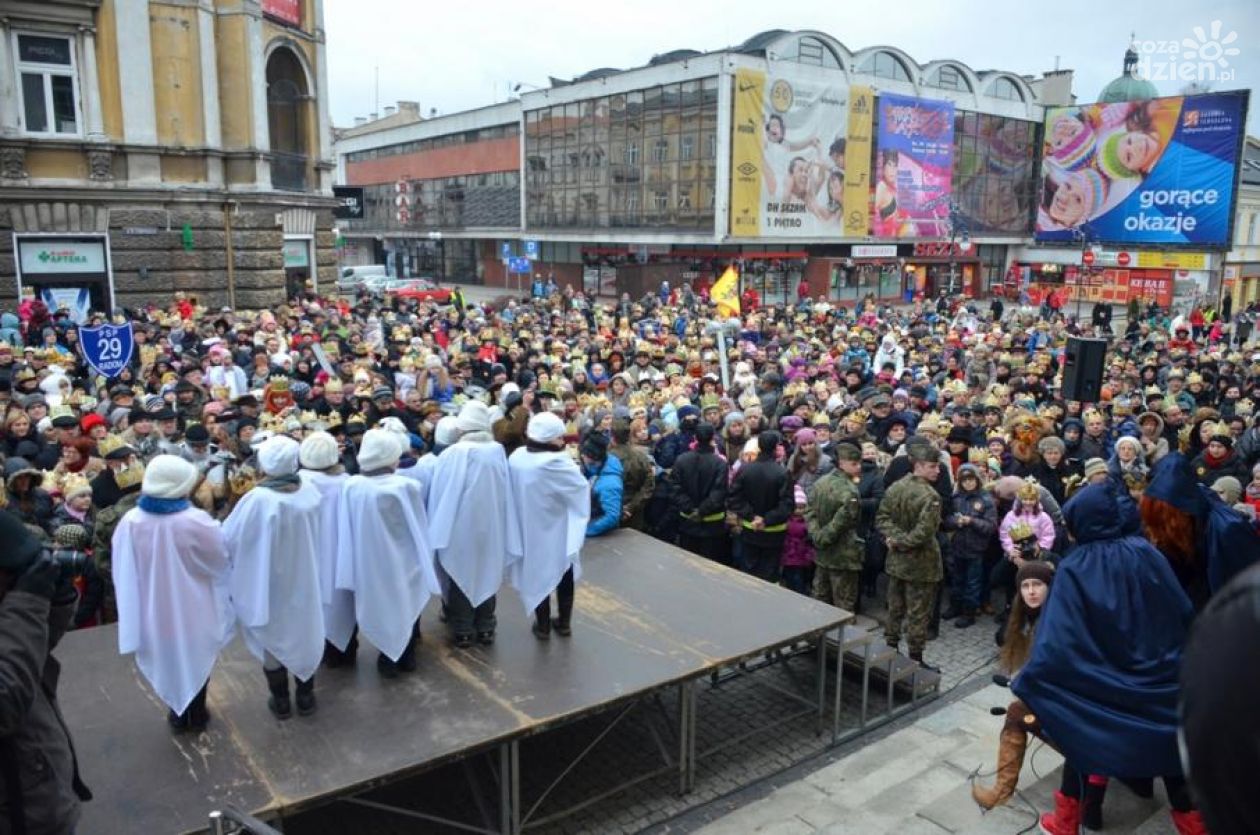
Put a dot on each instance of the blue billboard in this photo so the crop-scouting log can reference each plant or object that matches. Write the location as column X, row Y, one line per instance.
column 1159, row 172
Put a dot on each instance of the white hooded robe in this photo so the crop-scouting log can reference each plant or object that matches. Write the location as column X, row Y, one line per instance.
column 547, row 516
column 338, row 603
column 174, row 608
column 384, row 557
column 468, row 516
column 273, row 539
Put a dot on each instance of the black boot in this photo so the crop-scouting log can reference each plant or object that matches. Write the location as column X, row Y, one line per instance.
column 305, row 697
column 407, row 661
column 954, row 611
column 542, row 628
column 917, row 657
column 278, row 684
column 1092, row 803
column 562, row 627
column 965, row 620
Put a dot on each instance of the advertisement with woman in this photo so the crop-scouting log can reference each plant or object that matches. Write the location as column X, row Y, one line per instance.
column 800, row 158
column 913, row 168
column 1157, row 172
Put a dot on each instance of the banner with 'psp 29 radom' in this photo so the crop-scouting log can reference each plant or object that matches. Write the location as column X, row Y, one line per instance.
column 1158, row 172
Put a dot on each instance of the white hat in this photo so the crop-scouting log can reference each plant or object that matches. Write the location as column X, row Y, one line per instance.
column 168, row 477
column 447, row 431
column 381, row 448
column 393, row 424
column 318, row 451
column 506, row 389
column 544, row 428
column 432, row 361
column 279, row 456
column 474, row 416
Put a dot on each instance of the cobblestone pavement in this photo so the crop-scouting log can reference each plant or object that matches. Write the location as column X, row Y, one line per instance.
column 644, row 741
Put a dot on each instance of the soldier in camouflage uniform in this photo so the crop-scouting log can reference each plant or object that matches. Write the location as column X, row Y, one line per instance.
column 638, row 477
column 833, row 513
column 129, row 482
column 908, row 518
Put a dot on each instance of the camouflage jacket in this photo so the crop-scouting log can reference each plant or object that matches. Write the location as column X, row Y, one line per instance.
column 103, row 536
column 832, row 515
column 638, row 480
column 908, row 517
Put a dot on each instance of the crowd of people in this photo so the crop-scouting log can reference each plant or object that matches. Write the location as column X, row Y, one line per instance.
column 327, row 466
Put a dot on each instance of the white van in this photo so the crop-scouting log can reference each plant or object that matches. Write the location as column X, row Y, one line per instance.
column 352, row 277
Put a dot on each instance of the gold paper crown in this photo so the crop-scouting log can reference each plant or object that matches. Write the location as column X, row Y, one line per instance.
column 220, row 392
column 1021, row 531
column 1028, row 491
column 930, row 424
column 109, row 444
column 334, row 384
column 858, row 416
column 131, row 476
column 1244, row 408
column 278, row 383
column 27, row 373
column 61, row 410
column 1091, row 414
column 995, row 435
column 334, row 419
column 271, row 423
column 710, row 401
column 358, row 418
column 978, row 455
column 73, row 483
column 307, row 418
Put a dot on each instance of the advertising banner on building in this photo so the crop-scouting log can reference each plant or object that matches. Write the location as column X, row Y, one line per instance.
column 913, row 168
column 77, row 301
column 857, row 161
column 289, row 11
column 797, row 162
column 1155, row 172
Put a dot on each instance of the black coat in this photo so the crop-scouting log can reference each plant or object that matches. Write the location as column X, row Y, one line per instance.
column 762, row 488
column 699, row 488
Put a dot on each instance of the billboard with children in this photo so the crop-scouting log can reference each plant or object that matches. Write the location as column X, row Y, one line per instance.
column 788, row 152
column 913, row 168
column 1161, row 171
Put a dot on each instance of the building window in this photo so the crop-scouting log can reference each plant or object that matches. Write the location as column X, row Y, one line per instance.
column 660, row 200
column 686, row 148
column 660, row 151
column 1004, row 88
column 49, row 86
column 949, row 78
column 632, row 153
column 887, row 65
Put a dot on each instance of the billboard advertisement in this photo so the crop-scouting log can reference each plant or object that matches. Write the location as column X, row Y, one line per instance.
column 288, row 11
column 913, row 168
column 995, row 167
column 788, row 176
column 1155, row 172
column 857, row 156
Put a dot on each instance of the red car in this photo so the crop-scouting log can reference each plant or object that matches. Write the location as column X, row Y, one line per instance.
column 418, row 289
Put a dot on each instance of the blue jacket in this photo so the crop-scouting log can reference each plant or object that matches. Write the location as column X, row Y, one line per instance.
column 606, row 486
column 1102, row 677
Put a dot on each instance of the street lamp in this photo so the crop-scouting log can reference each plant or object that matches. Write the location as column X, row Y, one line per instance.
column 1083, row 234
column 439, row 248
column 720, row 330
column 958, row 230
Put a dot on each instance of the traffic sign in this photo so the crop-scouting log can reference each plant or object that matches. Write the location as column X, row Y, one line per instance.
column 1123, row 259
column 531, row 250
column 107, row 348
column 1087, row 258
column 518, row 265
column 505, row 250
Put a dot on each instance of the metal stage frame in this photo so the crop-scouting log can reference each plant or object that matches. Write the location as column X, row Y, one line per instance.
column 651, row 621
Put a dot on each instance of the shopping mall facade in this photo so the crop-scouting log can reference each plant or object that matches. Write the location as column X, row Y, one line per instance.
column 771, row 155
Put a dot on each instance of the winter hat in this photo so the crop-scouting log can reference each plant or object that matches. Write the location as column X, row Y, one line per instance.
column 805, row 436
column 1129, row 440
column 595, row 446
column 1095, row 466
column 544, row 428
column 971, row 470
column 447, row 431
column 279, row 456
column 318, row 451
column 169, row 477
column 959, row 435
column 732, row 417
column 474, row 416
column 392, row 424
column 506, row 390
column 1095, row 190
column 1228, row 488
column 380, row 449
column 1034, row 570
column 1051, row 442
column 1076, row 153
column 751, row 447
column 72, row 535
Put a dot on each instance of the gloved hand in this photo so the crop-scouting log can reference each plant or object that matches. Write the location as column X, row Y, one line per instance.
column 40, row 577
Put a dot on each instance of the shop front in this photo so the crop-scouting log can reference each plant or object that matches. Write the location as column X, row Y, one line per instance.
column 1111, row 276
column 298, row 257
column 1242, row 283
column 70, row 271
column 934, row 267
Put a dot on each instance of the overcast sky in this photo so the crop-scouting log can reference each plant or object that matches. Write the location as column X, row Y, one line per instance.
column 460, row 55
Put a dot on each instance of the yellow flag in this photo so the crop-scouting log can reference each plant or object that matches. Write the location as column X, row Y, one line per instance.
column 725, row 294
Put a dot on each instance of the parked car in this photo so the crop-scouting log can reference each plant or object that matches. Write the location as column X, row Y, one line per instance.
column 352, row 278
column 418, row 289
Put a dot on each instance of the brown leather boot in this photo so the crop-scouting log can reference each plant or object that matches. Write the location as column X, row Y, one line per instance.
column 1010, row 760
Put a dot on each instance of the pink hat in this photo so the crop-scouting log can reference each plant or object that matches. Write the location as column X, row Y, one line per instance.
column 804, row 436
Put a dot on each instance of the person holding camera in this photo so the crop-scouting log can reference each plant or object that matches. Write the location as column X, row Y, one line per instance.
column 40, row 788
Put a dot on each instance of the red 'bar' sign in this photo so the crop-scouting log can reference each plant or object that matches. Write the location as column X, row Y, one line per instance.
column 289, row 11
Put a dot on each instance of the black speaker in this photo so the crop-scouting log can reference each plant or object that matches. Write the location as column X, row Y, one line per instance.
column 1083, row 364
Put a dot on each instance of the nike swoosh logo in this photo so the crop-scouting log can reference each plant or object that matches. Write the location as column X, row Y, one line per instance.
column 744, row 88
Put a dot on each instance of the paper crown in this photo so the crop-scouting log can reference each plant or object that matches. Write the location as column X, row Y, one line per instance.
column 109, row 445
column 334, row 384
column 1028, row 491
column 278, row 384
column 130, row 476
column 73, row 484
column 1021, row 531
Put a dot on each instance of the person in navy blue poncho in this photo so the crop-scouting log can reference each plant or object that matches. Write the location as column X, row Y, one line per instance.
column 1102, row 677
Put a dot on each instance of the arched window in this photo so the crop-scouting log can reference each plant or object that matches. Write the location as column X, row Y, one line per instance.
column 1004, row 88
column 811, row 50
column 887, row 65
column 950, row 78
column 288, row 121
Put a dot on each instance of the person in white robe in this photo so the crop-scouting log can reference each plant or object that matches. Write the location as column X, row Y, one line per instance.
column 384, row 556
column 320, row 457
column 467, row 507
column 171, row 573
column 272, row 538
column 548, row 510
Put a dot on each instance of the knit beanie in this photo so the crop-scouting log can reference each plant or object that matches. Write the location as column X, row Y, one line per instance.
column 169, row 477
column 1077, row 152
column 72, row 535
column 1034, row 570
column 1109, row 159
column 447, row 430
column 543, row 428
column 1093, row 467
column 318, row 451
column 1228, row 488
column 278, row 456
